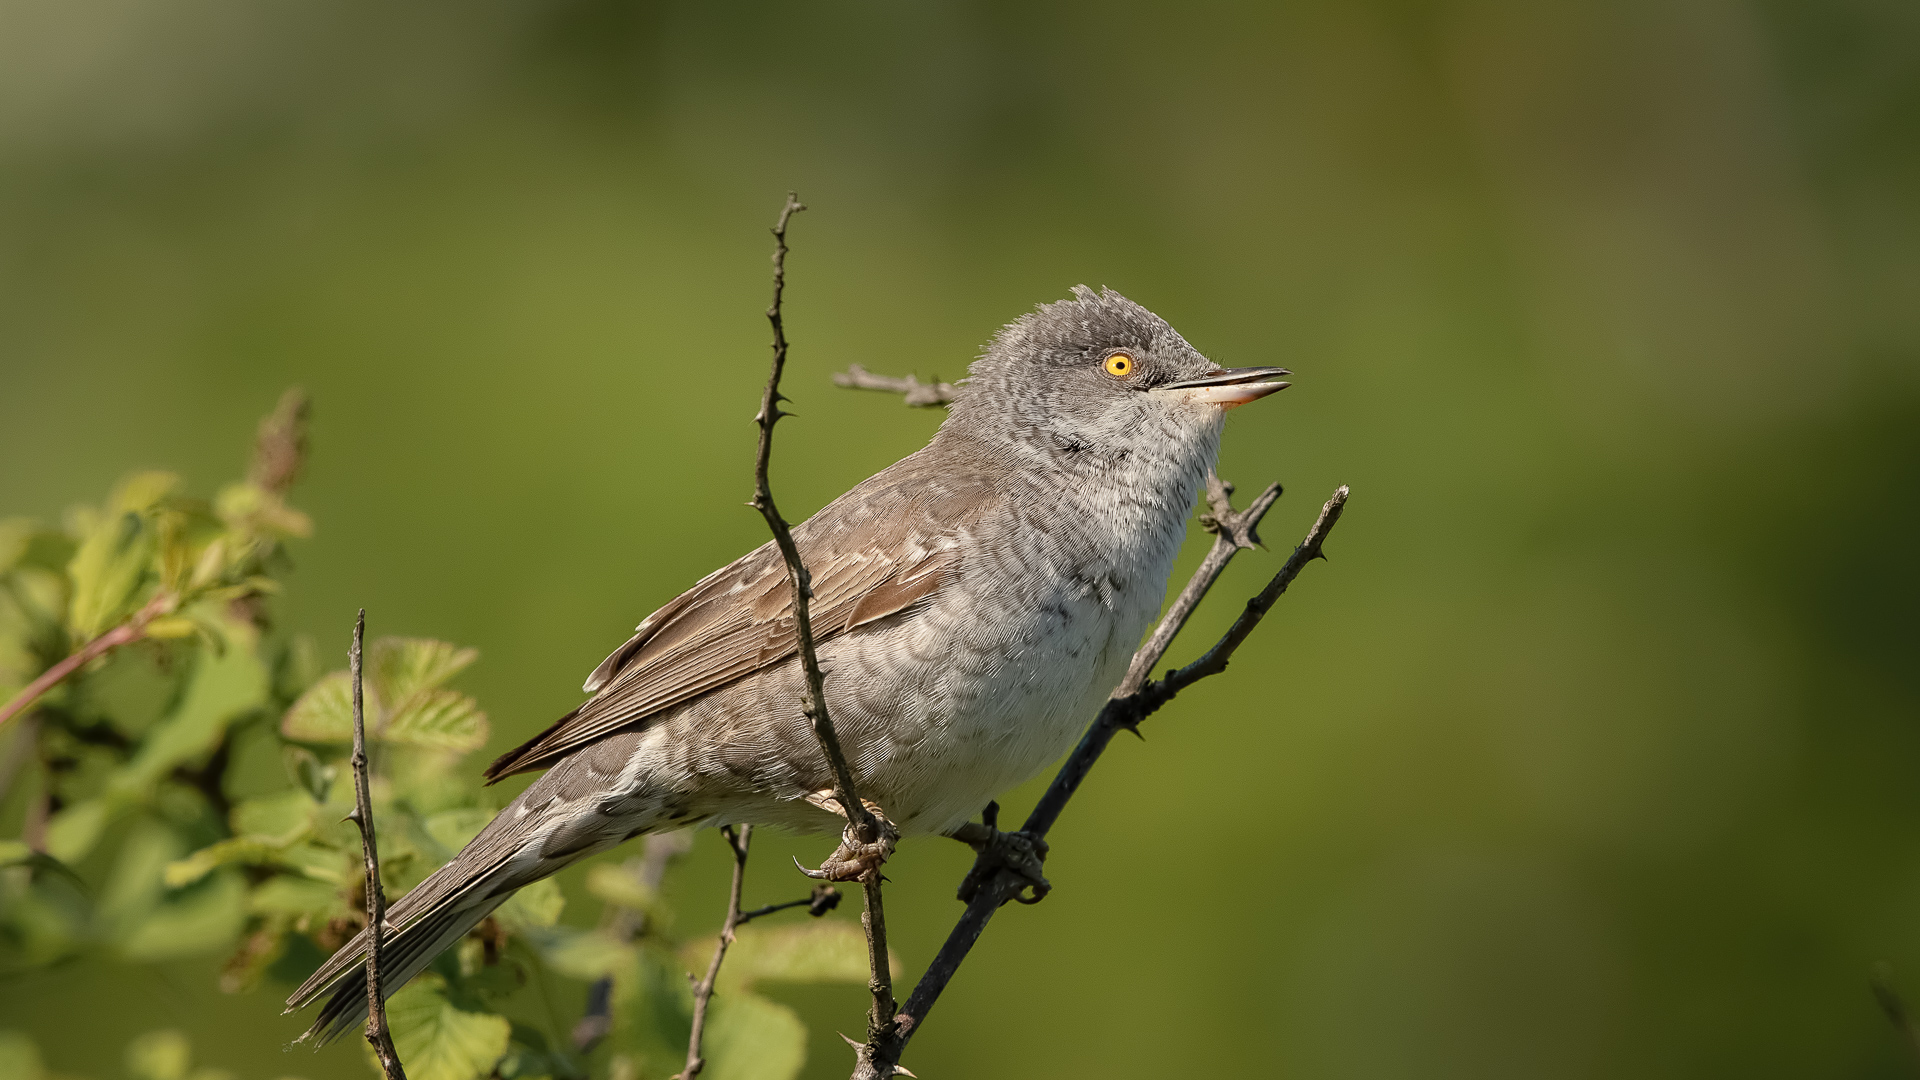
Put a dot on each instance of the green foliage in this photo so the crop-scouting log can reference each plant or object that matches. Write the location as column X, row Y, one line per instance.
column 437, row 1040
column 187, row 794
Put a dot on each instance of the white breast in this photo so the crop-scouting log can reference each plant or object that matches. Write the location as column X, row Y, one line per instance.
column 1000, row 677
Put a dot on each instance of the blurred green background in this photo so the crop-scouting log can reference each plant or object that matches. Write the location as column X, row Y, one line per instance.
column 1593, row 751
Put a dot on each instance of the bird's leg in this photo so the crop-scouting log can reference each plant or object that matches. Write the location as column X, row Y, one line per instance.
column 1015, row 851
column 855, row 858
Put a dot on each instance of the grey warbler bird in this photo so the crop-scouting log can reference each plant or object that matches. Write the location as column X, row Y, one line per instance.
column 974, row 604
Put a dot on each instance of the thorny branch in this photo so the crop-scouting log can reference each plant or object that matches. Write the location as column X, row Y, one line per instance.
column 703, row 990
column 880, row 1057
column 377, row 1034
column 1233, row 531
column 993, row 881
column 863, row 826
column 823, row 899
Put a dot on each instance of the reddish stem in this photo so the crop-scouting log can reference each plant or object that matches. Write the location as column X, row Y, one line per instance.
column 126, row 633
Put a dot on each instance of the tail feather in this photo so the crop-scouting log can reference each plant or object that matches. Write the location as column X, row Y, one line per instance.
column 412, row 950
column 433, row 915
column 554, row 823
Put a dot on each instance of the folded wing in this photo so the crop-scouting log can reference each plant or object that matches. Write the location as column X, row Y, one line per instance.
column 884, row 549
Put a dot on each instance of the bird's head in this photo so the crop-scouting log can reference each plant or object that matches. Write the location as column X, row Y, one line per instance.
column 1101, row 374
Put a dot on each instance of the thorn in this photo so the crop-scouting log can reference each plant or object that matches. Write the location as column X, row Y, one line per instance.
column 1134, row 728
column 857, row 1046
column 901, row 1070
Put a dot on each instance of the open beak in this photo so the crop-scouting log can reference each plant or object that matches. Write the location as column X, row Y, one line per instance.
column 1228, row 388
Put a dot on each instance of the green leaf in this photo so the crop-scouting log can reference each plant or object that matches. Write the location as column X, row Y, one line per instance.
column 402, row 667
column 335, row 866
column 75, row 829
column 287, row 894
column 324, row 714
column 751, row 1038
column 582, row 954
column 281, row 818
column 159, row 1055
column 437, row 720
column 203, row 918
column 223, row 688
column 314, row 776
column 13, row 853
column 439, row 1042
column 20, row 1058
column 821, row 950
column 538, row 904
column 248, row 850
column 652, row 1011
column 107, row 570
column 172, row 626
column 143, row 492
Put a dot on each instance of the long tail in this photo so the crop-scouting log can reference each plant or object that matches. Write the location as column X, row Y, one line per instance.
column 404, row 954
column 551, row 825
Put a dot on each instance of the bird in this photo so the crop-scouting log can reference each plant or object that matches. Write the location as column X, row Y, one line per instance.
column 973, row 605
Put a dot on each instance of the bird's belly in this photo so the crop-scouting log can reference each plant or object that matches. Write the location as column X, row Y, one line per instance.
column 994, row 696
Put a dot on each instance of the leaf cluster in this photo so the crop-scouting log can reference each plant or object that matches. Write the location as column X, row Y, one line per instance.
column 185, row 794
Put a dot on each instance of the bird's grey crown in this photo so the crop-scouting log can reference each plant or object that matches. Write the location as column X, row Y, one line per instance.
column 1041, row 380
column 1069, row 333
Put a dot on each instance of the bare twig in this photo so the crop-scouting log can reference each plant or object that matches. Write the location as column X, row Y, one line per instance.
column 880, row 1057
column 823, row 899
column 703, row 990
column 797, row 576
column 377, row 1034
column 126, row 633
column 862, row 824
column 917, row 394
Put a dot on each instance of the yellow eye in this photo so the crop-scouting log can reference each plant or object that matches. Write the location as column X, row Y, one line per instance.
column 1119, row 365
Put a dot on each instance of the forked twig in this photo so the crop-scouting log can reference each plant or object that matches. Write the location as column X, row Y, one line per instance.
column 377, row 1034
column 880, row 1057
column 703, row 990
column 861, row 823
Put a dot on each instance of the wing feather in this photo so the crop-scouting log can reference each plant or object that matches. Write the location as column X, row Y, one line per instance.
column 878, row 551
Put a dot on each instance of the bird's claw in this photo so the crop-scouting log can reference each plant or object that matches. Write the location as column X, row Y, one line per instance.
column 1016, row 851
column 857, row 859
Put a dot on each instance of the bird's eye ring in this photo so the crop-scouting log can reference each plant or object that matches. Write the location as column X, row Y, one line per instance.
column 1119, row 365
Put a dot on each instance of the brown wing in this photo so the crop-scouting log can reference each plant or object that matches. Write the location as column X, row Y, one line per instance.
column 876, row 551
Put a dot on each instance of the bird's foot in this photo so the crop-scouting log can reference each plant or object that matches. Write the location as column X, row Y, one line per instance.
column 857, row 858
column 1016, row 851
